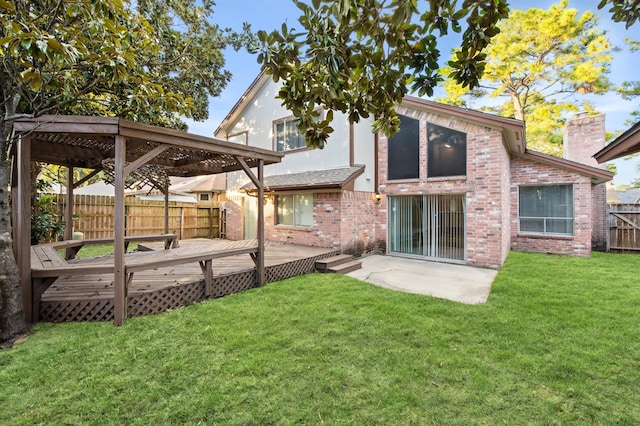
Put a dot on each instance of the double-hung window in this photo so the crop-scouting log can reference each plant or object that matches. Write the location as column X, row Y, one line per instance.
column 546, row 209
column 294, row 210
column 287, row 135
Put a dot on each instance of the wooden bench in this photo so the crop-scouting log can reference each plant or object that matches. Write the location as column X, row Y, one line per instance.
column 47, row 265
column 72, row 247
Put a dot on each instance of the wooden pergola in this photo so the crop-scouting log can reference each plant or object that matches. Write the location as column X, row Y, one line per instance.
column 127, row 152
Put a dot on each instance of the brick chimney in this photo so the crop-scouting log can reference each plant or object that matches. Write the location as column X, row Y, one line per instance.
column 584, row 135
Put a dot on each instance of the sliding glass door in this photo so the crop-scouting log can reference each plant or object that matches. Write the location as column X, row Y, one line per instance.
column 432, row 226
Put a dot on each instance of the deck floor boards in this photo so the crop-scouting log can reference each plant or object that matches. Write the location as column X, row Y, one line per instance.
column 100, row 286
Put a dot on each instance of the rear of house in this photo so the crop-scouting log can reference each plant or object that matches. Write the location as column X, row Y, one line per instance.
column 453, row 185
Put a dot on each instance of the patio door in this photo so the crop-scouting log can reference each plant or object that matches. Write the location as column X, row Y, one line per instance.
column 431, row 226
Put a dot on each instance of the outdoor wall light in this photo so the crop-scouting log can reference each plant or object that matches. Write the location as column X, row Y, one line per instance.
column 376, row 197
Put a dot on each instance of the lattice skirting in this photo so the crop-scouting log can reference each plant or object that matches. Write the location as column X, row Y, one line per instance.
column 155, row 302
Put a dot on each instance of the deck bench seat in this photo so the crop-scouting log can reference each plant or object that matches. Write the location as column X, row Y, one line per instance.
column 47, row 265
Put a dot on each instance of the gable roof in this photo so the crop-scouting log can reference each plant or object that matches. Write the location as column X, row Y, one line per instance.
column 596, row 174
column 629, row 196
column 257, row 84
column 626, row 144
column 338, row 178
column 512, row 130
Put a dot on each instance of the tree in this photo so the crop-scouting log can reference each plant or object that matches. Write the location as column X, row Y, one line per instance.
column 361, row 57
column 100, row 56
column 538, row 60
column 631, row 89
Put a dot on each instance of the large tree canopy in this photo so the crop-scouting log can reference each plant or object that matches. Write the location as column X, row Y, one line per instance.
column 145, row 60
column 361, row 57
column 538, row 62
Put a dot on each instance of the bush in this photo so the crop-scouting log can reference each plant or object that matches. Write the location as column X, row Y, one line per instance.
column 45, row 222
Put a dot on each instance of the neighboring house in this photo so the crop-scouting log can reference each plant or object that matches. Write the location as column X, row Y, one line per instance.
column 453, row 185
column 205, row 189
column 628, row 196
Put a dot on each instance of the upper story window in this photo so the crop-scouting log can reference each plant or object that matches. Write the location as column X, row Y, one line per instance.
column 240, row 137
column 447, row 152
column 287, row 135
column 403, row 159
column 546, row 209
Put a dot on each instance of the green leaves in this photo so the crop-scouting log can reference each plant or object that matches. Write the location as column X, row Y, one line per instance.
column 361, row 57
column 146, row 63
column 538, row 58
column 622, row 11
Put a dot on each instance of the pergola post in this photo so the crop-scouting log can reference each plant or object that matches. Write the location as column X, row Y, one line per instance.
column 119, row 279
column 22, row 227
column 166, row 211
column 68, row 213
column 260, row 228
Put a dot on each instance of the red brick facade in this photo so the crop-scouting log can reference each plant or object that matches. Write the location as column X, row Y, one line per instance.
column 485, row 186
column 348, row 220
column 355, row 223
column 525, row 172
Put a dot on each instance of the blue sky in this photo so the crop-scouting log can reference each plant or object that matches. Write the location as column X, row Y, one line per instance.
column 269, row 15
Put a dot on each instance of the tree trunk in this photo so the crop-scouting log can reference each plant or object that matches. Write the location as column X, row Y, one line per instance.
column 12, row 321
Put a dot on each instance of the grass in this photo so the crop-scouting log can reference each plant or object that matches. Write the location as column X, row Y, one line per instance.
column 558, row 342
column 98, row 250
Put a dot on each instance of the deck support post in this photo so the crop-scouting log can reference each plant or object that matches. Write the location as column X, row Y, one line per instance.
column 119, row 279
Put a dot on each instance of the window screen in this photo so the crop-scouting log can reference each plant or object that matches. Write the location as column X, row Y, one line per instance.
column 404, row 150
column 287, row 136
column 447, row 151
column 546, row 209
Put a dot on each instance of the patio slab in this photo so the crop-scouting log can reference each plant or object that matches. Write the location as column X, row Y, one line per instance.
column 460, row 283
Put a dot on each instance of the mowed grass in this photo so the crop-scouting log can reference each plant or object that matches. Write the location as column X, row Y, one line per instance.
column 98, row 250
column 558, row 342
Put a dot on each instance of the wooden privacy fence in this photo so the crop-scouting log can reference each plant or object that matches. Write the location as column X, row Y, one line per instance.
column 623, row 224
column 95, row 217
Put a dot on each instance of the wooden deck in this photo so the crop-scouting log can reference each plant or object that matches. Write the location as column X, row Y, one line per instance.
column 90, row 297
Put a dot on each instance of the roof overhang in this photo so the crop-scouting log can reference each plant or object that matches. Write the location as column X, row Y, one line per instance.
column 513, row 130
column 597, row 175
column 317, row 180
column 626, row 144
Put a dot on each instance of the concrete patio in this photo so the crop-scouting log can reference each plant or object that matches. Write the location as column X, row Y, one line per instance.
column 459, row 283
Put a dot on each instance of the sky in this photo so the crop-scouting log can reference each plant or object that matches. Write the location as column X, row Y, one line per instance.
column 270, row 14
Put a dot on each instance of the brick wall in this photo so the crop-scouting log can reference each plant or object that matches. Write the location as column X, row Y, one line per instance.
column 486, row 185
column 347, row 220
column 599, row 217
column 584, row 136
column 530, row 173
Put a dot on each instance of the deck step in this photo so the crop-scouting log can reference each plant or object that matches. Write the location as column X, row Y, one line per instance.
column 347, row 267
column 340, row 264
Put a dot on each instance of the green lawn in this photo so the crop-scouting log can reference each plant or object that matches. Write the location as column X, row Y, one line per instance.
column 98, row 250
column 558, row 342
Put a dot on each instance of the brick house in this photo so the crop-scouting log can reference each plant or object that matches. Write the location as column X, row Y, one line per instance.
column 453, row 185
